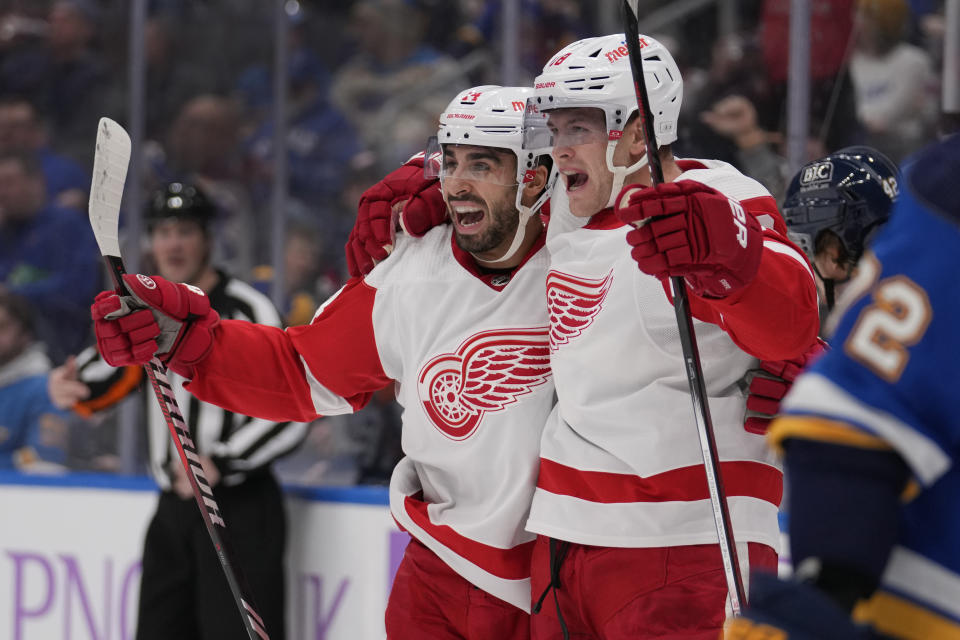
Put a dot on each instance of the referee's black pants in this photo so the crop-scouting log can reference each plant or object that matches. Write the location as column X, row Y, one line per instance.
column 183, row 592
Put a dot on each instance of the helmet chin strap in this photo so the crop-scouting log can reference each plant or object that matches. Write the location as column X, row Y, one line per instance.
column 620, row 173
column 524, row 214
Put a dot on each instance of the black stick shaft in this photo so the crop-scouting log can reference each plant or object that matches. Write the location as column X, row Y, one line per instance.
column 202, row 491
column 688, row 341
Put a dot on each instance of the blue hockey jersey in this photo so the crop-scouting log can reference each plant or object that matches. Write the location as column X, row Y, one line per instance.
column 890, row 382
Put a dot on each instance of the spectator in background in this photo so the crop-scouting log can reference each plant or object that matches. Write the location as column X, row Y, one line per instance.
column 33, row 432
column 735, row 118
column 546, row 27
column 833, row 118
column 320, row 140
column 202, row 146
column 63, row 75
column 22, row 132
column 723, row 121
column 894, row 80
column 306, row 283
column 48, row 255
column 393, row 77
column 170, row 79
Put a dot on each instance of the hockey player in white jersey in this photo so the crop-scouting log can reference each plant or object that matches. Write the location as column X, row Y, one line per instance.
column 457, row 320
column 627, row 542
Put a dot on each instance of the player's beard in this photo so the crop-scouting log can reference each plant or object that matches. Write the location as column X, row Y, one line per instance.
column 504, row 218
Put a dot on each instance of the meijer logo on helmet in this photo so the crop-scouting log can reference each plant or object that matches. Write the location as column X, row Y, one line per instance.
column 622, row 51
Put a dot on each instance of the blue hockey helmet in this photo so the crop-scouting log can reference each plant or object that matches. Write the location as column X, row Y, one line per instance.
column 849, row 192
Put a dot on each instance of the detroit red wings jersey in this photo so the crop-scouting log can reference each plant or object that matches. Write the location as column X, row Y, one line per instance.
column 620, row 456
column 470, row 355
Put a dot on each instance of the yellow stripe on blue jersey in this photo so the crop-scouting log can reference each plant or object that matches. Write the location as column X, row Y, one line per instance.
column 821, row 429
column 901, row 618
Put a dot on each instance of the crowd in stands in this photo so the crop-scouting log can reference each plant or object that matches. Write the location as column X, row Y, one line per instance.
column 367, row 80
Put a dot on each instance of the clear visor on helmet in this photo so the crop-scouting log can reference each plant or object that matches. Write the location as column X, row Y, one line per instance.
column 562, row 127
column 476, row 163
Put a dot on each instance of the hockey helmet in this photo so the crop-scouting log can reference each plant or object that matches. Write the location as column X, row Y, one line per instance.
column 487, row 116
column 491, row 116
column 850, row 192
column 179, row 200
column 596, row 73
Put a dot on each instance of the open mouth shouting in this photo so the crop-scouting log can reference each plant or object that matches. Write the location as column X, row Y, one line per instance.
column 467, row 216
column 574, row 179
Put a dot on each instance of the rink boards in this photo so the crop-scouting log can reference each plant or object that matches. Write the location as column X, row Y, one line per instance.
column 70, row 558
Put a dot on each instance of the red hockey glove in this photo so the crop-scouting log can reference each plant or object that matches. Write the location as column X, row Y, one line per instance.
column 771, row 383
column 159, row 317
column 405, row 199
column 688, row 229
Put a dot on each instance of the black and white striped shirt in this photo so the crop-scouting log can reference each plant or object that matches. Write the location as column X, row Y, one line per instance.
column 238, row 444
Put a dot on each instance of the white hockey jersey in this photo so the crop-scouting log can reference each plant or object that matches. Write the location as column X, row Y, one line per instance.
column 470, row 356
column 620, row 457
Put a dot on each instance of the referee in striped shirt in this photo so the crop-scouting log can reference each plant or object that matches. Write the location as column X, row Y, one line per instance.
column 183, row 593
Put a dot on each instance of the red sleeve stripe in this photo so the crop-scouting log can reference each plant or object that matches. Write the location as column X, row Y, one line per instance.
column 784, row 249
column 507, row 564
column 764, row 209
column 740, row 478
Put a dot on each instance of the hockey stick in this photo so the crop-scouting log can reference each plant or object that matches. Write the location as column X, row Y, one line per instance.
column 109, row 173
column 688, row 339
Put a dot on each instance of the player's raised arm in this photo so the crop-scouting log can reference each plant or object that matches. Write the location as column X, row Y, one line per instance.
column 254, row 369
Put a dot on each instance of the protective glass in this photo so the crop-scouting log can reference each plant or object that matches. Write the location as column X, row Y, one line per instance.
column 562, row 127
column 470, row 162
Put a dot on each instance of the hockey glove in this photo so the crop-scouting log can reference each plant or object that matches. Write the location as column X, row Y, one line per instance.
column 688, row 229
column 770, row 384
column 405, row 199
column 159, row 317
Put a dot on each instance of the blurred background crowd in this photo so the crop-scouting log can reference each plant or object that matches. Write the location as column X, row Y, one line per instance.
column 365, row 82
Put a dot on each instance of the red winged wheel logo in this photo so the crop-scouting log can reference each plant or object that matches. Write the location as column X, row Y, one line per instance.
column 573, row 303
column 489, row 371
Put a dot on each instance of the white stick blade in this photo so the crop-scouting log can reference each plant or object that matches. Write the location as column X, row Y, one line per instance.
column 110, row 164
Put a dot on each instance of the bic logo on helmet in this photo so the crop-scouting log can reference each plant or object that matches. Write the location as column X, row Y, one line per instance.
column 817, row 172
